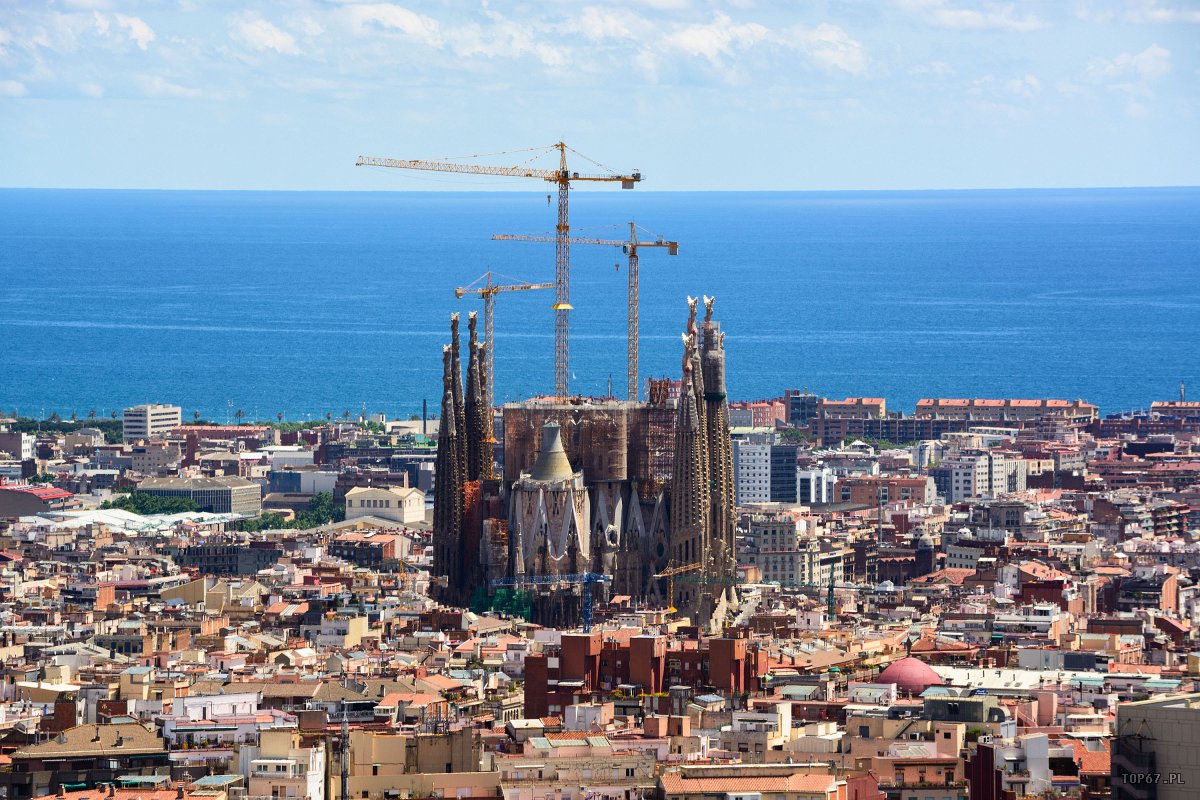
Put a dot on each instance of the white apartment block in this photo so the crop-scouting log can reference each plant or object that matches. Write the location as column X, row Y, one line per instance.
column 152, row 421
column 752, row 469
column 814, row 486
column 988, row 474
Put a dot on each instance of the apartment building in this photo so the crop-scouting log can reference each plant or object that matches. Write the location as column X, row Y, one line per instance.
column 815, row 485
column 979, row 474
column 151, row 421
column 1154, row 753
column 787, row 549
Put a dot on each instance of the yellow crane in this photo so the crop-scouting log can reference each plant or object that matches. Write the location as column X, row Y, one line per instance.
column 563, row 178
column 630, row 247
column 669, row 573
column 488, row 292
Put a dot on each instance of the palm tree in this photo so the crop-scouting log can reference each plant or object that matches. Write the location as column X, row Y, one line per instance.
column 328, row 415
column 196, row 415
column 346, row 414
column 113, row 415
column 238, row 415
column 279, row 416
column 74, row 417
column 91, row 413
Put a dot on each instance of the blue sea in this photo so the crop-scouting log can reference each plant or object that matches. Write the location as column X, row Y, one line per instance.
column 306, row 303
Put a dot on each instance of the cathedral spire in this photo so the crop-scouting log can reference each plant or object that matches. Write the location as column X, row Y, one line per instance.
column 460, row 412
column 689, row 496
column 720, row 445
column 447, row 498
column 479, row 450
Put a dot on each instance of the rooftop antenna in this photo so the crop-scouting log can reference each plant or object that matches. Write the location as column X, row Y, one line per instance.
column 1182, row 392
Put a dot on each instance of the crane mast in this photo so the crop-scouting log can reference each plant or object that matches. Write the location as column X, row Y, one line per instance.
column 562, row 177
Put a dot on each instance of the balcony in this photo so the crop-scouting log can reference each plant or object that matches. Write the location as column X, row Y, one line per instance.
column 920, row 784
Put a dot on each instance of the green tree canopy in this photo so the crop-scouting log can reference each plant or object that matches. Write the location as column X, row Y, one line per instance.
column 144, row 503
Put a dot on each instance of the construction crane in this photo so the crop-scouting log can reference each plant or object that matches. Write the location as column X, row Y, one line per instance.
column 630, row 248
column 562, row 177
column 488, row 292
column 669, row 573
column 582, row 579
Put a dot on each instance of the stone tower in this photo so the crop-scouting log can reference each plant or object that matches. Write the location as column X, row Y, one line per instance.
column 478, row 415
column 702, row 521
column 720, row 447
column 460, row 411
column 448, row 488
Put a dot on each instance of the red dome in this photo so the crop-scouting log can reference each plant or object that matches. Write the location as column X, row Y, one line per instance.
column 911, row 675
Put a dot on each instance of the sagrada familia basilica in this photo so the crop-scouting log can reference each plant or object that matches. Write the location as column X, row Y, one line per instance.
column 595, row 494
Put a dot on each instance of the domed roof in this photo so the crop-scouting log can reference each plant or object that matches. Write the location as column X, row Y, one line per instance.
column 552, row 463
column 911, row 675
column 925, row 542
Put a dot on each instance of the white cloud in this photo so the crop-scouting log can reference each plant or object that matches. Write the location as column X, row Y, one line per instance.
column 598, row 23
column 259, row 34
column 1151, row 12
column 983, row 16
column 505, row 38
column 1026, row 85
column 938, row 69
column 310, row 27
column 830, row 47
column 1153, row 62
column 92, row 89
column 391, row 17
column 663, row 5
column 139, row 31
column 10, row 88
column 717, row 38
column 158, row 86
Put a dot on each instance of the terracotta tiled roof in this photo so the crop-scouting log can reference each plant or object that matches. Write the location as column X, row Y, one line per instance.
column 676, row 783
column 93, row 740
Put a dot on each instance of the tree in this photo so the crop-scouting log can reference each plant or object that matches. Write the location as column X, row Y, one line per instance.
column 196, row 415
column 144, row 503
column 91, row 413
column 238, row 415
column 321, row 510
column 114, row 415
column 279, row 416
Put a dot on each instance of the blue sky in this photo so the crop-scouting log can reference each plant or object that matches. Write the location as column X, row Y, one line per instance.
column 859, row 94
